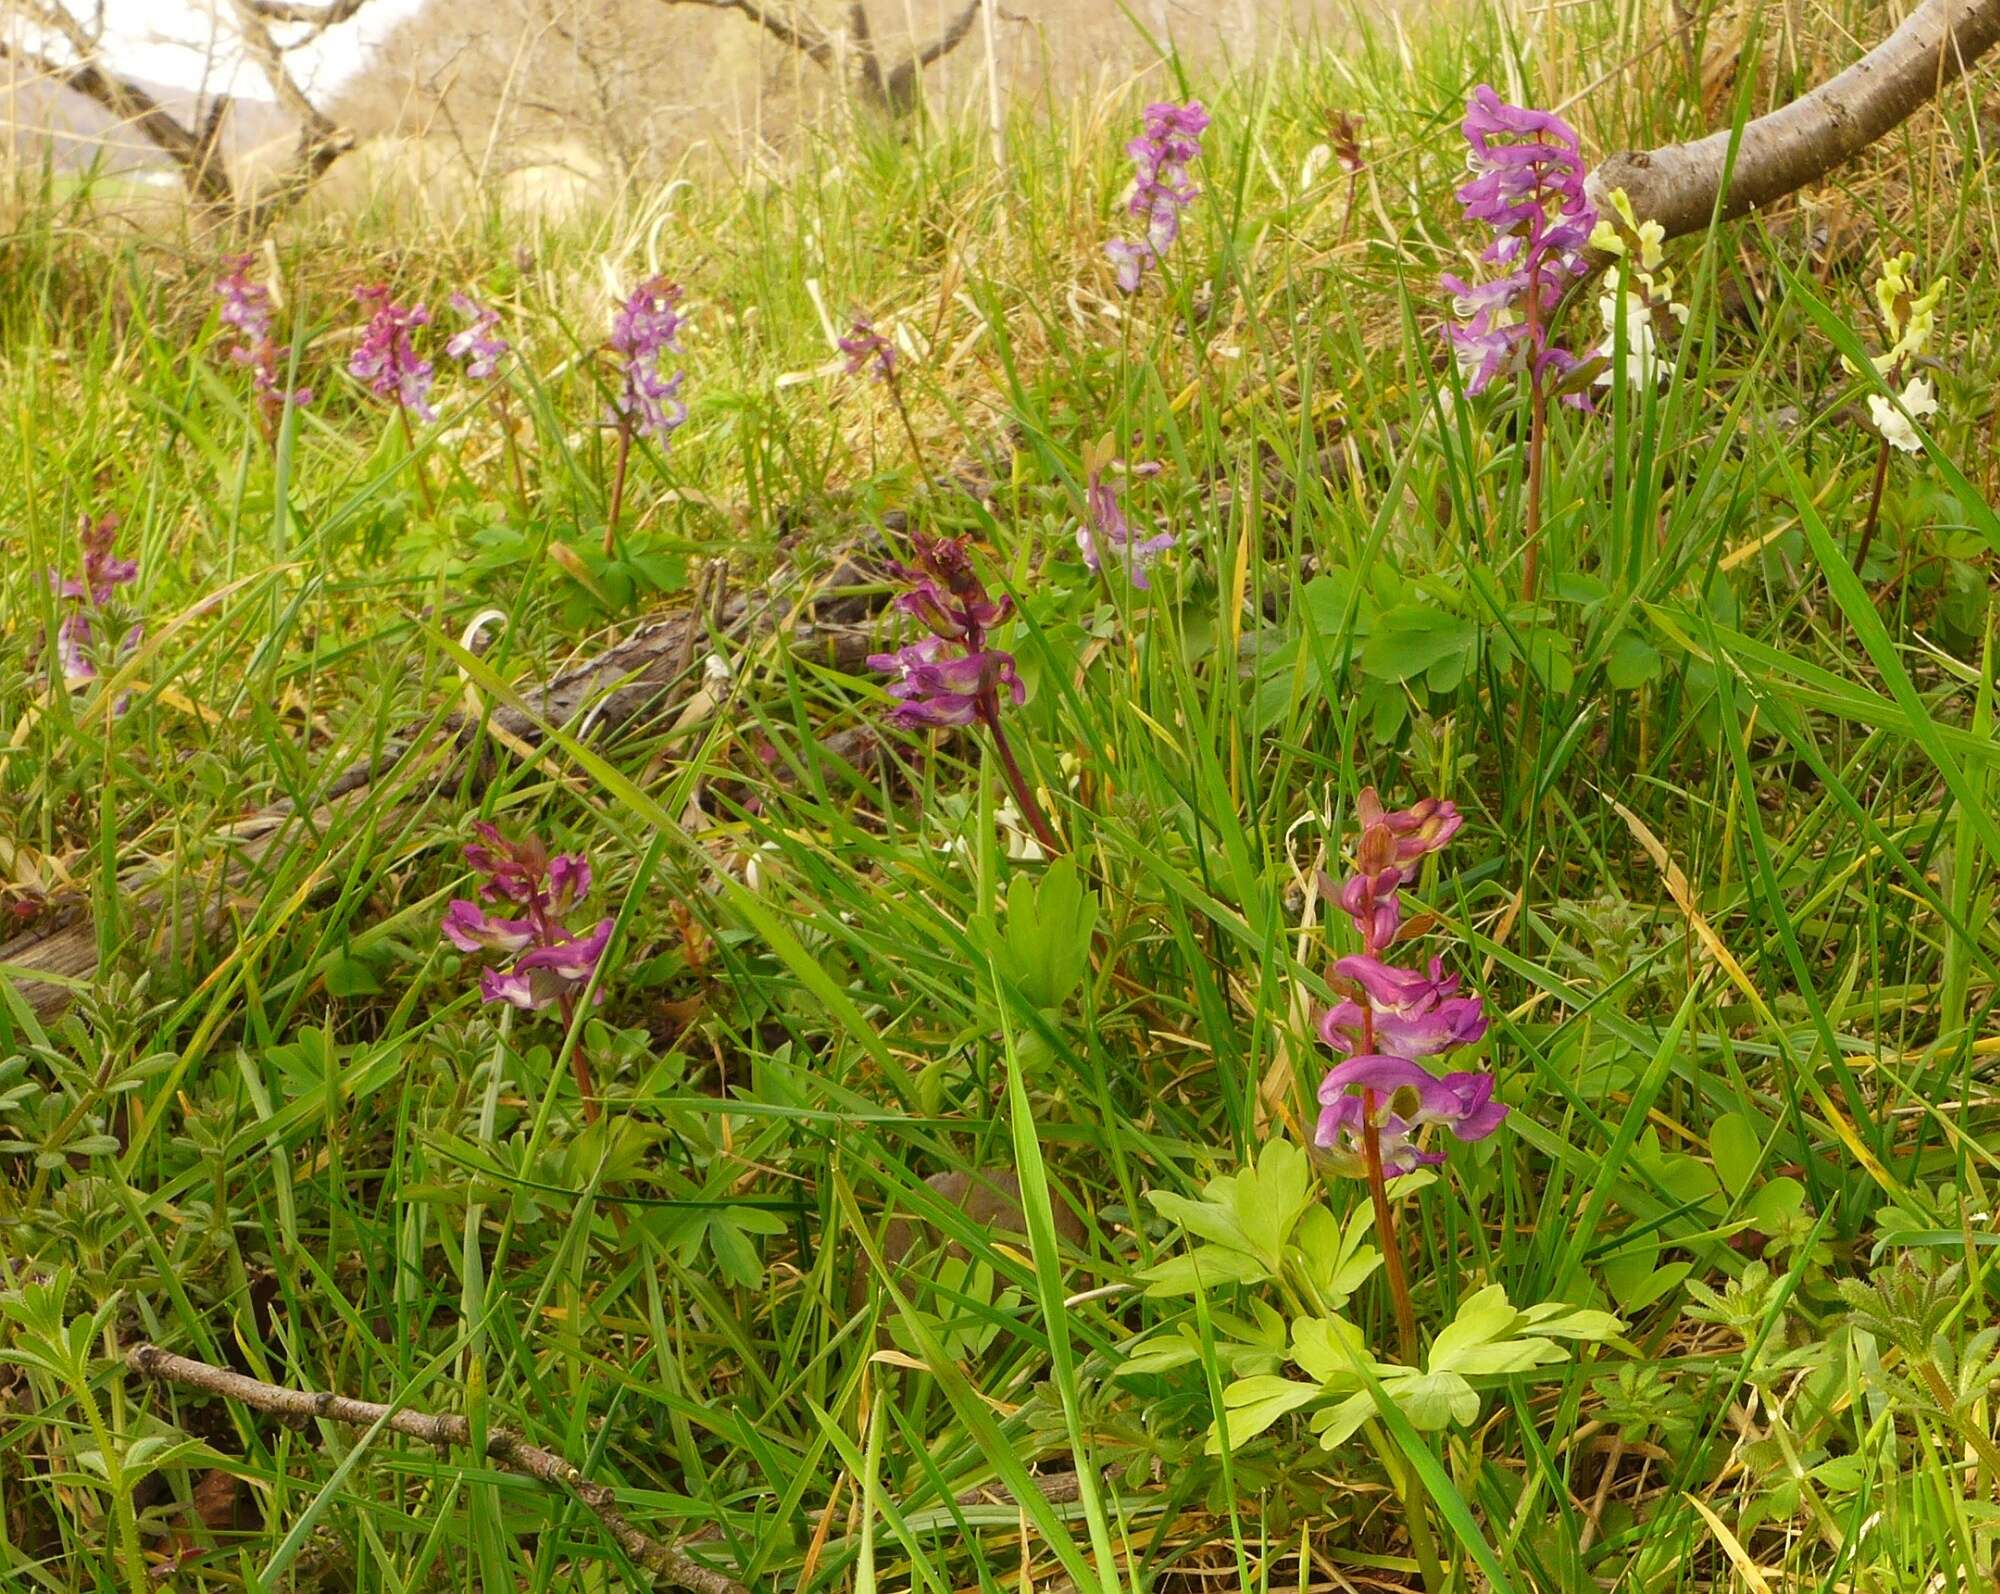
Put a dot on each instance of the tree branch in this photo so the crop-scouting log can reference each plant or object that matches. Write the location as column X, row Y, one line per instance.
column 1798, row 143
column 791, row 28
column 320, row 16
column 669, row 1563
column 190, row 151
column 900, row 91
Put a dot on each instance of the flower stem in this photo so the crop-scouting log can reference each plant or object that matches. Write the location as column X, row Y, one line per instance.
column 416, row 465
column 617, row 487
column 1538, row 421
column 1874, row 504
column 1024, row 794
column 1385, row 1231
column 910, row 431
column 506, row 408
column 579, row 1061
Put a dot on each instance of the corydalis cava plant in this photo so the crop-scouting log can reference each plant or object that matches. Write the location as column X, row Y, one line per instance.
column 246, row 306
column 1637, row 302
column 1105, row 528
column 1527, row 187
column 645, row 328
column 1376, row 1105
column 952, row 675
column 386, row 360
column 1910, row 320
column 85, row 595
column 548, row 964
column 1161, row 156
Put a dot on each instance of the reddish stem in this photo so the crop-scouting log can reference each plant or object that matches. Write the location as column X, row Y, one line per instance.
column 1874, row 504
column 1024, row 794
column 579, row 1062
column 1538, row 418
column 1385, row 1231
column 416, row 465
column 617, row 486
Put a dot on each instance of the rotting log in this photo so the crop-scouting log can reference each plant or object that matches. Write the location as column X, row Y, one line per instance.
column 1781, row 152
column 636, row 683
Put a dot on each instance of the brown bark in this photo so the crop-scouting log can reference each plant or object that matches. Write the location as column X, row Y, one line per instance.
column 670, row 1564
column 1799, row 143
column 638, row 681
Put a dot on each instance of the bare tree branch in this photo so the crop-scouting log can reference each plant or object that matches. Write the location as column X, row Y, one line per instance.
column 194, row 153
column 320, row 16
column 793, row 28
column 672, row 1565
column 900, row 91
column 1798, row 143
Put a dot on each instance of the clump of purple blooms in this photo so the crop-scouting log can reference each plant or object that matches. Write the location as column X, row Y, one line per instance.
column 1527, row 185
column 476, row 345
column 951, row 675
column 1375, row 1104
column 1105, row 524
column 386, row 359
column 1162, row 154
column 102, row 574
column 644, row 328
column 246, row 306
column 554, row 963
column 864, row 346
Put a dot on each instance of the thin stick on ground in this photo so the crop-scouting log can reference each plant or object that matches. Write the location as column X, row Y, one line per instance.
column 672, row 1566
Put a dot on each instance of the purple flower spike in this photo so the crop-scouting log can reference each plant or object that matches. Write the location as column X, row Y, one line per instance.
column 246, row 305
column 100, row 574
column 1527, row 185
column 645, row 328
column 1394, row 1016
column 386, row 360
column 1162, row 154
column 949, row 677
column 1398, row 1098
column 1107, row 527
column 865, row 346
column 476, row 345
column 552, row 963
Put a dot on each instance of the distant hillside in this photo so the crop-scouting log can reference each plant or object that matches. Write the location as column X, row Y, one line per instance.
column 40, row 120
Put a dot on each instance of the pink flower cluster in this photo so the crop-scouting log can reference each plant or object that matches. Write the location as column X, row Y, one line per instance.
column 246, row 306
column 1382, row 1094
column 552, row 963
column 950, row 676
column 1527, row 185
column 1106, row 526
column 646, row 327
column 386, row 359
column 865, row 346
column 101, row 575
column 1162, row 154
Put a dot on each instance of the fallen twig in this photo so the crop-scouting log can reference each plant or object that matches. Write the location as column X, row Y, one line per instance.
column 672, row 1565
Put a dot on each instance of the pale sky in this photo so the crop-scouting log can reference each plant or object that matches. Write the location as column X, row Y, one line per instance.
column 175, row 41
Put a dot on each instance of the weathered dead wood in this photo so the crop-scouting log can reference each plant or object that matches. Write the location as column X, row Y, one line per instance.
column 1799, row 143
column 636, row 683
column 668, row 1563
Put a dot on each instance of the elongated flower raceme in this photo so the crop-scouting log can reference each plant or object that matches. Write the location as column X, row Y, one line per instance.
column 953, row 675
column 246, row 306
column 386, row 359
column 1105, row 531
column 1161, row 156
column 476, row 345
column 549, row 962
column 1527, row 185
column 950, row 676
column 864, row 346
column 100, row 573
column 1375, row 1106
column 645, row 328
